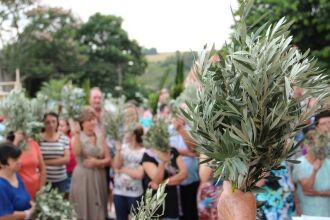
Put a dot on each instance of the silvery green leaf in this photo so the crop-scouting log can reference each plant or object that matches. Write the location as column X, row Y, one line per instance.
column 245, row 110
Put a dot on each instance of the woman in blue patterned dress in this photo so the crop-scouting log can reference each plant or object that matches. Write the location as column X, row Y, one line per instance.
column 278, row 196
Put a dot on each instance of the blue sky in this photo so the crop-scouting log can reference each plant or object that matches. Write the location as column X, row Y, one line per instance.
column 167, row 25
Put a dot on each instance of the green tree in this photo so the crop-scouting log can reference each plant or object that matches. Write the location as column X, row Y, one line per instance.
column 156, row 70
column 177, row 87
column 149, row 51
column 311, row 28
column 11, row 17
column 112, row 56
column 53, row 88
column 47, row 48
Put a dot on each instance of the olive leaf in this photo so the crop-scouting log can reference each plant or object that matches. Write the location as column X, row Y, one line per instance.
column 149, row 204
column 245, row 114
column 113, row 118
column 73, row 99
column 158, row 136
column 21, row 113
column 51, row 205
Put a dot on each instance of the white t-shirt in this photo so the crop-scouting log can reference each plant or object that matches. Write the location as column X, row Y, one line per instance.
column 125, row 185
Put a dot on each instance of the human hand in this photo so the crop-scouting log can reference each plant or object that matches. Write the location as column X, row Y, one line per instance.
column 178, row 123
column 236, row 205
column 76, row 128
column 153, row 185
column 29, row 212
column 317, row 164
column 118, row 145
column 33, row 205
column 90, row 162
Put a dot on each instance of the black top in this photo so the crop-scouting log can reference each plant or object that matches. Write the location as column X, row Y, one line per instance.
column 171, row 200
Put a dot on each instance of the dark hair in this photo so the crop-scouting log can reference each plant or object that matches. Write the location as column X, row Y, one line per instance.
column 11, row 136
column 7, row 151
column 138, row 132
column 53, row 114
column 162, row 107
column 323, row 114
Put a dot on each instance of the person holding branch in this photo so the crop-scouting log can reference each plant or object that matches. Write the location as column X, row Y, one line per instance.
column 88, row 191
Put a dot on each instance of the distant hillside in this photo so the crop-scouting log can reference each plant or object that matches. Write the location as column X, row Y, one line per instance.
column 159, row 57
column 160, row 63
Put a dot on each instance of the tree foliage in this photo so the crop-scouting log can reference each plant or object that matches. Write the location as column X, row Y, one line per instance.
column 149, row 51
column 177, row 87
column 47, row 48
column 311, row 26
column 111, row 54
column 12, row 15
column 53, row 43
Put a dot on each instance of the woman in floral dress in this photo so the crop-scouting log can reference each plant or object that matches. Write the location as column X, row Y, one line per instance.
column 278, row 196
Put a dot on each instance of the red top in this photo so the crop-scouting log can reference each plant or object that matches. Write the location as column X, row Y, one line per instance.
column 72, row 162
column 29, row 170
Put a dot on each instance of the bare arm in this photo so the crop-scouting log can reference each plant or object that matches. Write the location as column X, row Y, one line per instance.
column 14, row 216
column 205, row 173
column 297, row 203
column 154, row 172
column 188, row 139
column 186, row 152
column 181, row 175
column 76, row 149
column 76, row 144
column 307, row 184
column 59, row 161
column 19, row 214
column 316, row 193
column 327, row 193
column 42, row 170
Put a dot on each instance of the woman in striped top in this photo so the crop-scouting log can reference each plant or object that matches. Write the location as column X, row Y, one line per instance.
column 55, row 150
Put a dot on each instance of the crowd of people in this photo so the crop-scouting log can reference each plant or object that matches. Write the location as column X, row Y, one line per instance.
column 93, row 171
